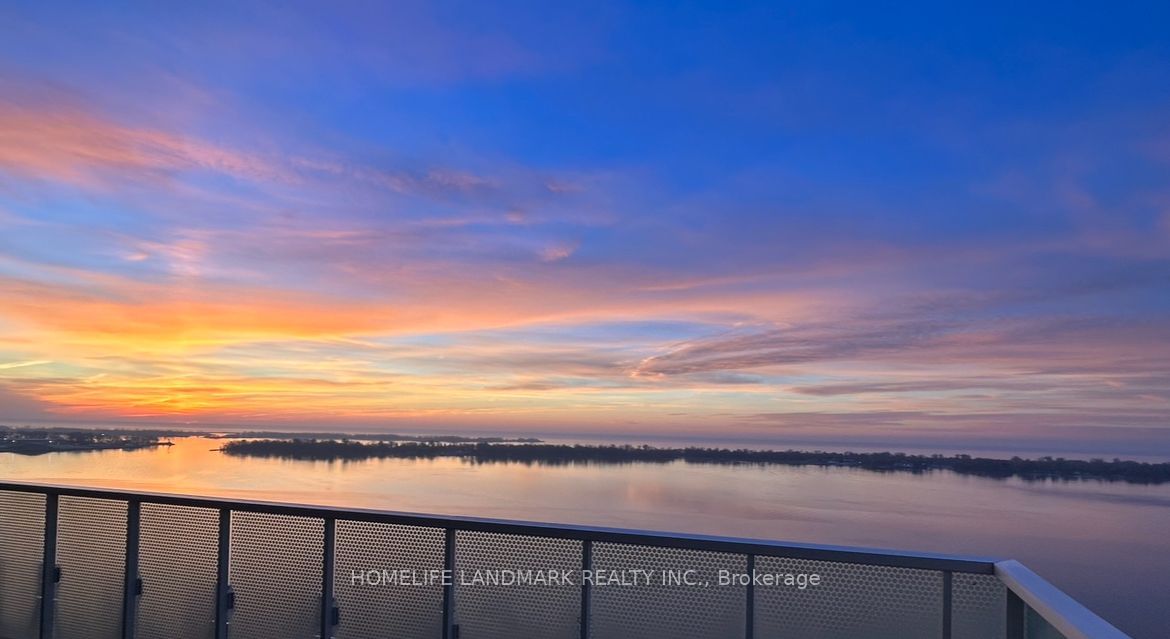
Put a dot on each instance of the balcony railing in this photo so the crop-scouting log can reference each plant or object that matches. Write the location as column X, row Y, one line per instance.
column 104, row 564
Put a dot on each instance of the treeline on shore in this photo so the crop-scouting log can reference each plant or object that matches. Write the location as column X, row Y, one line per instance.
column 380, row 437
column 554, row 454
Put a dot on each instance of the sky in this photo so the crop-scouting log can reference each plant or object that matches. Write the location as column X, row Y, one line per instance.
column 928, row 221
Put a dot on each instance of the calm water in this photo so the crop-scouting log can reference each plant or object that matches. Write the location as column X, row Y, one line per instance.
column 1105, row 544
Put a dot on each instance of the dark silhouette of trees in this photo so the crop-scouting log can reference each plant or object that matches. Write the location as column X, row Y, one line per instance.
column 555, row 454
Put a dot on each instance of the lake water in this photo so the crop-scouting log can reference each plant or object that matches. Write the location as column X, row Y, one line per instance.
column 1106, row 544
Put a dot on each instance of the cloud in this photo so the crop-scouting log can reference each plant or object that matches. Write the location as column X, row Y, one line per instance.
column 51, row 137
column 564, row 186
column 793, row 345
column 78, row 148
column 557, row 252
column 923, row 386
column 17, row 405
column 11, row 365
column 225, row 261
column 989, row 423
column 190, row 309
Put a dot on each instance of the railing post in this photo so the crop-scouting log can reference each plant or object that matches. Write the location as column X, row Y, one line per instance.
column 130, row 588
column 749, row 622
column 328, row 606
column 586, row 593
column 947, row 604
column 49, row 572
column 449, row 585
column 222, row 584
column 1015, row 616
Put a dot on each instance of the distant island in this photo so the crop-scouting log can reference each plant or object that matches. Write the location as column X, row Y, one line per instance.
column 30, row 440
column 553, row 454
column 378, row 437
column 39, row 442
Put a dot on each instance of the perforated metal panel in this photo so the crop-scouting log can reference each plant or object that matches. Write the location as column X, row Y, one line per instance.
column 667, row 609
column 276, row 571
column 22, row 538
column 853, row 600
column 91, row 550
column 178, row 548
column 377, row 599
column 533, row 609
column 979, row 607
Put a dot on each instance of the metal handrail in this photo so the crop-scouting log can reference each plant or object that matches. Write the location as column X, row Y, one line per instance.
column 713, row 543
column 1064, row 613
column 1024, row 587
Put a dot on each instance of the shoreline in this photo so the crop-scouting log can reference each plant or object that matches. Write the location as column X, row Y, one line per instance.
column 554, row 455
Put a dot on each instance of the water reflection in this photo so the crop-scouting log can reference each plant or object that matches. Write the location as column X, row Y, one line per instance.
column 1102, row 542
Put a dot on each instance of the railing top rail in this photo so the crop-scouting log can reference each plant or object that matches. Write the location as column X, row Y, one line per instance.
column 1064, row 613
column 818, row 552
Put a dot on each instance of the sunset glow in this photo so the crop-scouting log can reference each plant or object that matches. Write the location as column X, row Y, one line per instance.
column 406, row 218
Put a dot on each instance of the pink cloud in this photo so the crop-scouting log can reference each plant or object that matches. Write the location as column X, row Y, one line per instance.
column 78, row 148
column 558, row 252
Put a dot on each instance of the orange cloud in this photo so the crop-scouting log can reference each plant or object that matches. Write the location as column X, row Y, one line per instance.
column 174, row 315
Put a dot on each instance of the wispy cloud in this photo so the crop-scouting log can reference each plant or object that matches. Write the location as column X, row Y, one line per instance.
column 35, row 362
column 539, row 218
column 78, row 148
column 557, row 252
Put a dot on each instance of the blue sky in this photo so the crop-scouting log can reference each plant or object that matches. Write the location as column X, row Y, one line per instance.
column 758, row 219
